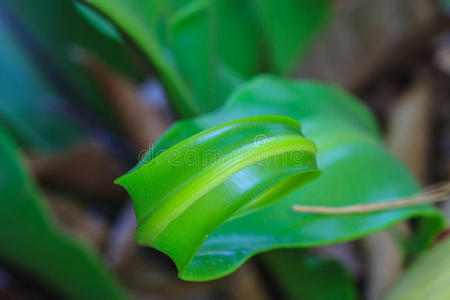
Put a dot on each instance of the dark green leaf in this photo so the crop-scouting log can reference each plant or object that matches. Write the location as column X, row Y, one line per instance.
column 47, row 33
column 289, row 26
column 100, row 22
column 139, row 19
column 29, row 105
column 306, row 277
column 225, row 39
column 192, row 30
column 31, row 240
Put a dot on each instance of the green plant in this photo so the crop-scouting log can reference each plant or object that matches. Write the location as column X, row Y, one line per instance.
column 36, row 56
column 209, row 213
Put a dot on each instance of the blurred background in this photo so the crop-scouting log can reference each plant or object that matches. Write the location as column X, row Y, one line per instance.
column 75, row 100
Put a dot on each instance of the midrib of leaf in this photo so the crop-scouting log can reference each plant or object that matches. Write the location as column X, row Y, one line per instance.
column 173, row 205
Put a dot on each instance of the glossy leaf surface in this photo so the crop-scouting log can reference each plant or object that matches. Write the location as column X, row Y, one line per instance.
column 31, row 241
column 356, row 168
column 221, row 173
column 427, row 278
column 303, row 276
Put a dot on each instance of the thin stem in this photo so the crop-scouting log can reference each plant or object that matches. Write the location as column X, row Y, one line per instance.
column 435, row 193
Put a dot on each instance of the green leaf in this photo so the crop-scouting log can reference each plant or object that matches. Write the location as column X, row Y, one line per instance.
column 31, row 240
column 200, row 55
column 139, row 20
column 356, row 169
column 227, row 171
column 289, row 26
column 99, row 22
column 427, row 278
column 307, row 277
column 192, row 29
column 228, row 50
column 28, row 102
column 47, row 33
column 238, row 36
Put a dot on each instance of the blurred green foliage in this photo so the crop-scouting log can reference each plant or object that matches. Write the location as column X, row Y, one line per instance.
column 427, row 278
column 303, row 276
column 32, row 241
column 28, row 100
column 48, row 100
column 204, row 49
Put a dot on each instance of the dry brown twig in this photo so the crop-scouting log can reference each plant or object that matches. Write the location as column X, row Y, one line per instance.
column 439, row 192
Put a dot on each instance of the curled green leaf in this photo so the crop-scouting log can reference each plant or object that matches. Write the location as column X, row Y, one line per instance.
column 187, row 191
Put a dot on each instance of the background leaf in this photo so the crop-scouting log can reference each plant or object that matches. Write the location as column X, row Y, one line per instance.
column 53, row 36
column 49, row 102
column 191, row 34
column 306, row 277
column 235, row 41
column 29, row 106
column 31, row 241
column 289, row 26
column 427, row 278
column 140, row 21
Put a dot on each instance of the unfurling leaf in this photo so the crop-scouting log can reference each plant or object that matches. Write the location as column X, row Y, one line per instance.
column 225, row 172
